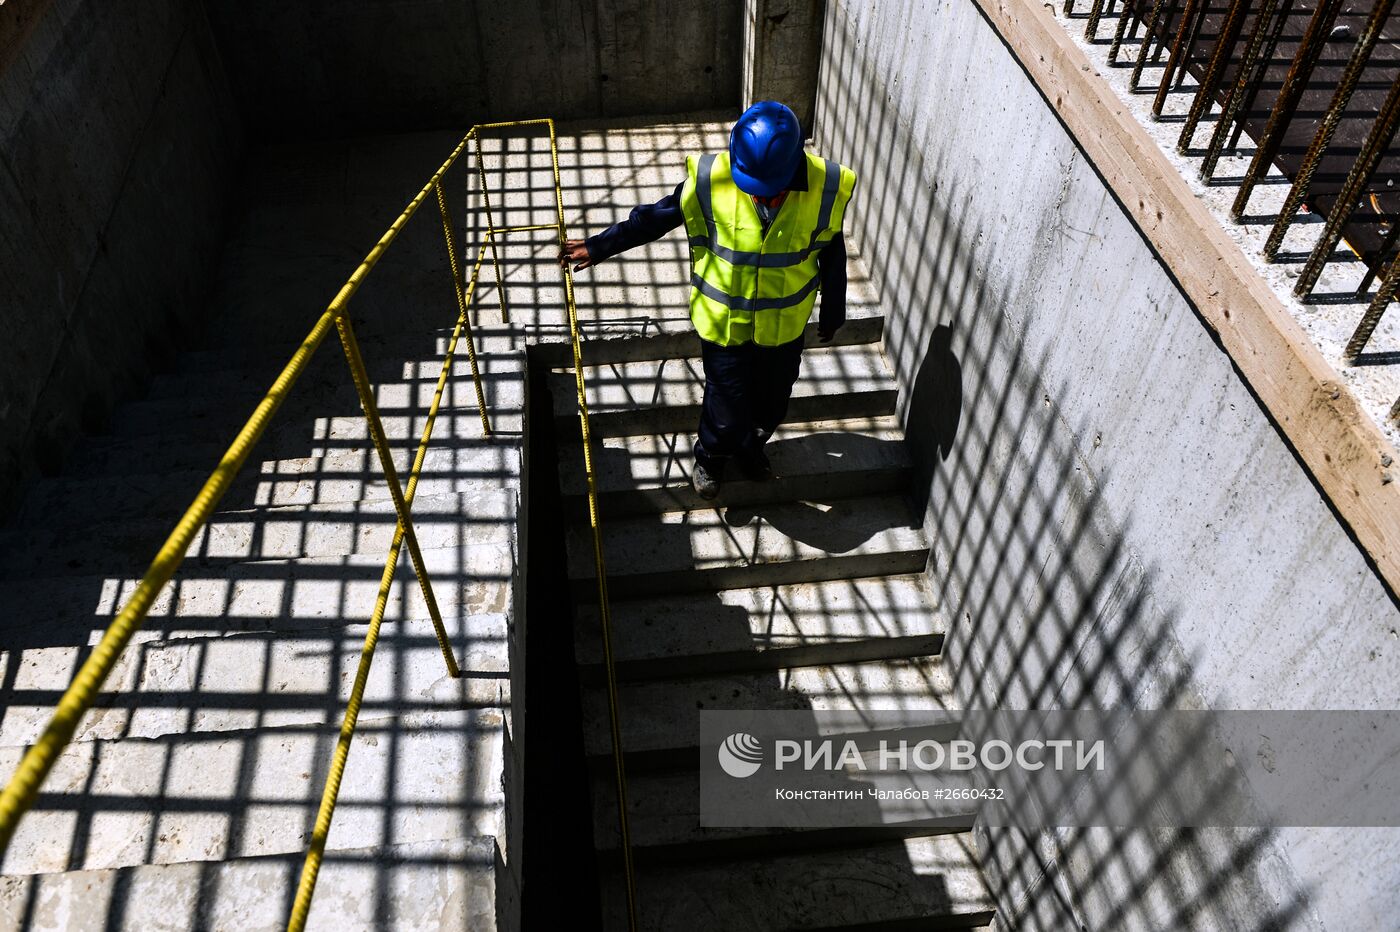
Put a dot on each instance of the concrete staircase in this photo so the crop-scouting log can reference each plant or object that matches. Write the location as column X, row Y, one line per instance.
column 804, row 592
column 188, row 797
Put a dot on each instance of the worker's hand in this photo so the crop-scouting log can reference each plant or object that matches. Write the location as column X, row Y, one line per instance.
column 824, row 336
column 575, row 251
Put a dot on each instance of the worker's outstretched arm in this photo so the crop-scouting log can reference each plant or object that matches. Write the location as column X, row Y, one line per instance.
column 646, row 223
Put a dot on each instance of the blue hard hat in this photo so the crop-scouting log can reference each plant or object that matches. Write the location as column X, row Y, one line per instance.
column 765, row 148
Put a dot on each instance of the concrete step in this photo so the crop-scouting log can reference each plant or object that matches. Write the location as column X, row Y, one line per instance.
column 271, row 595
column 249, row 368
column 204, row 409
column 664, row 820
column 239, row 373
column 447, row 884
column 258, row 680
column 217, row 796
column 767, row 628
column 664, row 716
column 290, row 449
column 925, row 883
column 662, row 397
column 819, row 460
column 679, row 341
column 338, row 528
column 767, row 545
column 235, row 374
column 256, row 353
column 334, row 466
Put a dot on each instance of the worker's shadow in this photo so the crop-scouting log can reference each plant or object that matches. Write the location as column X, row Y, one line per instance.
column 934, row 412
column 840, row 517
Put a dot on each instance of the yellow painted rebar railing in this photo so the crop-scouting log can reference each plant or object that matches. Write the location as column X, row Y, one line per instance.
column 24, row 786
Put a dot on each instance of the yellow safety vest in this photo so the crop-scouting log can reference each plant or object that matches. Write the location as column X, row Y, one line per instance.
column 746, row 285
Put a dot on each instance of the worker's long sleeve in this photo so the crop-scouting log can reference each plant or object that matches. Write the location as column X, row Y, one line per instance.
column 831, row 269
column 646, row 223
column 649, row 222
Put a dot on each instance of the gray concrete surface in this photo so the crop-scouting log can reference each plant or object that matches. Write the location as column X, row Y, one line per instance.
column 1113, row 517
column 786, row 542
column 120, row 142
column 337, row 68
column 812, row 461
column 834, row 614
column 251, row 650
column 212, row 738
column 448, row 885
column 782, row 52
column 766, row 598
column 822, row 890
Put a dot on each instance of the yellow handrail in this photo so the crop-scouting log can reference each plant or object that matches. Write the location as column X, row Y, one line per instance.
column 604, row 611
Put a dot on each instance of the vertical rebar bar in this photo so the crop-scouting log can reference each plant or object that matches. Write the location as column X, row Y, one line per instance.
column 1224, row 44
column 1149, row 39
column 1330, row 121
column 1377, row 141
column 1096, row 13
column 1295, row 83
column 491, row 229
column 1270, row 47
column 1372, row 318
column 1124, row 17
column 1243, row 81
column 1191, row 41
column 1180, row 45
column 1377, row 260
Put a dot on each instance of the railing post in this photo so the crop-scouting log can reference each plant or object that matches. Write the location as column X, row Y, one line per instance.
column 463, row 301
column 391, row 477
column 491, row 230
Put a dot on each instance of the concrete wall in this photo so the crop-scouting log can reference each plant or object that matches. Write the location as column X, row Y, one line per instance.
column 782, row 53
column 118, row 141
column 353, row 67
column 1116, row 519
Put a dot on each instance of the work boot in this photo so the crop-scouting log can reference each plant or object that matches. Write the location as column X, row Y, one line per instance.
column 706, row 483
column 755, row 466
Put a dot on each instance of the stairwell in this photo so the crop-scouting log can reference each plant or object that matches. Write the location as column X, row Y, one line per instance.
column 803, row 592
column 188, row 798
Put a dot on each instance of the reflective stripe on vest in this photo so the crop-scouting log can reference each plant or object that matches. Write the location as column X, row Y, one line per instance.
column 748, row 285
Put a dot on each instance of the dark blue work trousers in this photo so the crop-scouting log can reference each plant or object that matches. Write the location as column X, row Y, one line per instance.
column 746, row 397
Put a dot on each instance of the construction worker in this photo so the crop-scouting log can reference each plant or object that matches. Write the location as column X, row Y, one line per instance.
column 764, row 222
